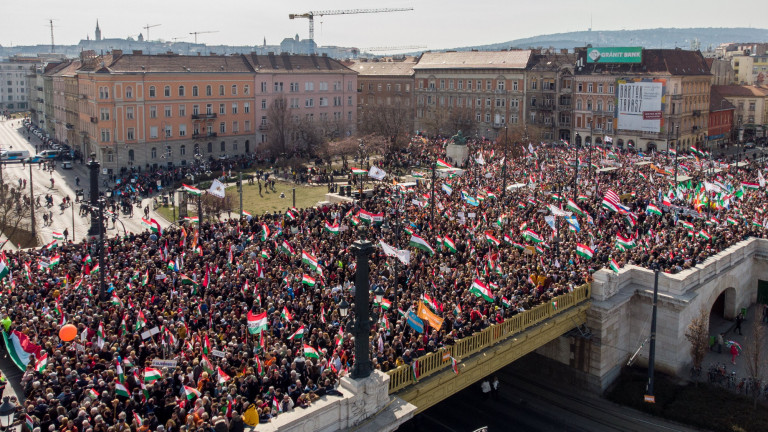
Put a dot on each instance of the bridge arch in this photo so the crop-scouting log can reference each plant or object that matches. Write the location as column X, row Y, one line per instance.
column 723, row 304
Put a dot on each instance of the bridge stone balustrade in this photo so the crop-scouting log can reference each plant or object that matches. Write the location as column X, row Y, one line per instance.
column 619, row 318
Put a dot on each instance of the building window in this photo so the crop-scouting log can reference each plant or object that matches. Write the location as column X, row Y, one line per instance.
column 323, row 86
column 263, row 120
column 167, row 91
column 500, row 85
column 234, row 89
column 103, row 92
column 110, row 156
column 222, row 109
column 195, row 110
column 223, row 146
column 323, row 102
column 195, row 91
column 234, row 108
column 153, row 132
column 263, row 86
column 130, row 134
column 153, row 153
column 153, row 112
column 600, row 88
column 222, row 127
column 182, row 110
column 309, row 103
column 246, row 107
column 580, row 87
column 235, row 127
column 152, row 91
column 105, row 113
column 181, row 90
column 168, row 112
column 247, row 125
column 209, row 109
column 309, row 86
column 589, row 87
column 208, row 91
column 578, row 104
column 534, row 84
column 182, row 150
column 182, row 130
column 221, row 90
column 263, row 104
column 246, row 89
column 168, row 131
column 129, row 92
column 105, row 135
column 488, row 85
column 129, row 113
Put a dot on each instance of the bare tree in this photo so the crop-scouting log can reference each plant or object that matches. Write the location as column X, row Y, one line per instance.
column 462, row 119
column 697, row 334
column 214, row 206
column 343, row 149
column 280, row 127
column 754, row 358
column 14, row 213
column 308, row 137
column 391, row 122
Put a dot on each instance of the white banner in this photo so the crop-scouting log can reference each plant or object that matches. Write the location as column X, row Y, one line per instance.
column 377, row 173
column 217, row 189
column 403, row 255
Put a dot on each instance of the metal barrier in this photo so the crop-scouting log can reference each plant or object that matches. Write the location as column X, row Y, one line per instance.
column 428, row 364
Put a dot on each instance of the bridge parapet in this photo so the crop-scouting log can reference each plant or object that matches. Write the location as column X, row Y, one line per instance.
column 432, row 363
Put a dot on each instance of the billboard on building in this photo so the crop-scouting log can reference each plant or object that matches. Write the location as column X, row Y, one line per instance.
column 639, row 105
column 615, row 55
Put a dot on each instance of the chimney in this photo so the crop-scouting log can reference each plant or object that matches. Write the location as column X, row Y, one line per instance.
column 117, row 52
column 137, row 52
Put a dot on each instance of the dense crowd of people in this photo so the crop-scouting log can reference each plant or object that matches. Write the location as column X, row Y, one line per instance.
column 189, row 296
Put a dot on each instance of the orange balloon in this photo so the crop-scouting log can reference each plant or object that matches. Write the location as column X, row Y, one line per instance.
column 68, row 332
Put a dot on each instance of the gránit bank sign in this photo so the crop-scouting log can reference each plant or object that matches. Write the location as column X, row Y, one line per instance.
column 615, row 55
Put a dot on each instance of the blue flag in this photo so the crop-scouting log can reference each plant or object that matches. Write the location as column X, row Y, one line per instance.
column 415, row 322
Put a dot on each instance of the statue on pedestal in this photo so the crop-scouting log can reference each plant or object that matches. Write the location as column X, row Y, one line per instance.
column 459, row 139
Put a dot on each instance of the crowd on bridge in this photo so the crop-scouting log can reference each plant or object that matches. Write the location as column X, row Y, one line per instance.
column 209, row 326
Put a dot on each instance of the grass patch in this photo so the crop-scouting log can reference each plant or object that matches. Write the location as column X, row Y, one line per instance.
column 306, row 196
column 703, row 405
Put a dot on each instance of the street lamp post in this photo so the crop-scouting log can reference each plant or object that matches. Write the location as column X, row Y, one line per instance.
column 362, row 323
column 93, row 167
column 102, row 270
column 677, row 149
column 504, row 167
column 432, row 195
column 32, row 204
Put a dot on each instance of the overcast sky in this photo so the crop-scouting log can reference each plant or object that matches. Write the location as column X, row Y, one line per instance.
column 435, row 24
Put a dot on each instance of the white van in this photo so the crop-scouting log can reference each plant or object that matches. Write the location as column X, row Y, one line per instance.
column 49, row 154
column 13, row 155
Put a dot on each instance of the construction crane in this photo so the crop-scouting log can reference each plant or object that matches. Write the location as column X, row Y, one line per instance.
column 312, row 14
column 202, row 32
column 50, row 22
column 396, row 48
column 147, row 27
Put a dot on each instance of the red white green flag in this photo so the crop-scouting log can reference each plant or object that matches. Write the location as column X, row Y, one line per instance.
column 584, row 251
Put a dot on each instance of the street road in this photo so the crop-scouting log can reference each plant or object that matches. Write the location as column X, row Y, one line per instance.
column 529, row 403
column 13, row 135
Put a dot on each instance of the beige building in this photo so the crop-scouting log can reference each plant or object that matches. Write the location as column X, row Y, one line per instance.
column 676, row 82
column 384, row 88
column 476, row 92
column 549, row 96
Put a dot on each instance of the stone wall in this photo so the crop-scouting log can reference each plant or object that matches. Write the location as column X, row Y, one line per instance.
column 620, row 315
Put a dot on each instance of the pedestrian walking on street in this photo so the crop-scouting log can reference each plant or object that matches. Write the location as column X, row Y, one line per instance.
column 739, row 320
column 66, row 234
column 77, row 181
column 485, row 387
column 734, row 353
column 495, row 387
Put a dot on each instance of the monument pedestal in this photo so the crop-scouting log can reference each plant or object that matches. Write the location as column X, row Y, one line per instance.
column 457, row 153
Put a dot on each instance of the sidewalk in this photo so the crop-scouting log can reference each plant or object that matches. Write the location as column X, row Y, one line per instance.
column 719, row 325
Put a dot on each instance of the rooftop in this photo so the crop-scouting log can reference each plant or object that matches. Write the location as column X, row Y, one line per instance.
column 295, row 63
column 132, row 63
column 740, row 91
column 517, row 59
column 369, row 68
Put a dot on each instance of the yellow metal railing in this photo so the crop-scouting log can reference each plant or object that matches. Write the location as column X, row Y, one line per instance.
column 428, row 364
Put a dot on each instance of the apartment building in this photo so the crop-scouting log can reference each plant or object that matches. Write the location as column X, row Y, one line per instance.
column 549, row 95
column 383, row 86
column 317, row 89
column 13, row 83
column 165, row 110
column 647, row 101
column 751, row 113
column 476, row 92
column 720, row 126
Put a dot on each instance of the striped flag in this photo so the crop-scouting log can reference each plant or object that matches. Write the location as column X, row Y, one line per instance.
column 443, row 164
column 358, row 171
column 191, row 392
column 652, row 209
column 191, row 190
column 310, row 352
column 419, row 243
column 448, row 243
column 614, row 265
column 332, row 228
column 584, row 251
column 481, row 290
column 151, row 375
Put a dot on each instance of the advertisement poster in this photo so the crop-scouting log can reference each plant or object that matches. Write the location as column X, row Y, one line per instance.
column 639, row 106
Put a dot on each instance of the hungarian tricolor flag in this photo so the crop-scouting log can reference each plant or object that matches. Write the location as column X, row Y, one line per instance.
column 286, row 248
column 285, row 314
column 419, row 243
column 191, row 392
column 614, row 265
column 443, row 164
column 308, row 280
column 481, row 290
column 257, row 323
column 584, row 251
column 310, row 352
column 298, row 334
column 358, row 171
column 41, row 363
column 222, row 377
column 151, row 375
column 531, row 236
column 491, row 239
column 140, row 321
column 747, row 185
column 191, row 190
column 308, row 259
column 332, row 228
column 652, row 209
column 449, row 244
column 121, row 390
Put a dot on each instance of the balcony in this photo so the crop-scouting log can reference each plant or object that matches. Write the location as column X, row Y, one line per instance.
column 203, row 116
column 500, row 92
column 38, row 88
column 263, row 127
column 70, row 126
column 696, row 113
column 677, row 97
column 203, row 135
column 82, row 96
